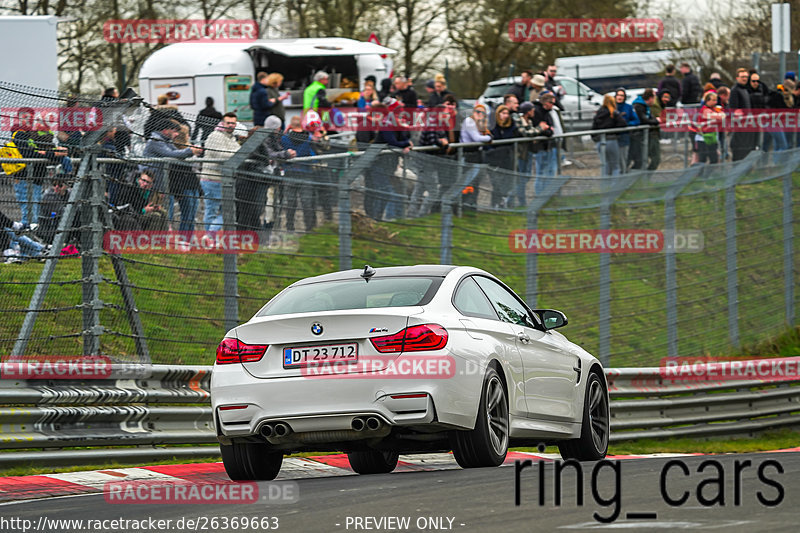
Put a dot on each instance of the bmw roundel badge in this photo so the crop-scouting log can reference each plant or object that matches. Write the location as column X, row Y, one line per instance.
column 316, row 328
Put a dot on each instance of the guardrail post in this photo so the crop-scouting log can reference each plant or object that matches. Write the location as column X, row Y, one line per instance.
column 345, row 224
column 788, row 249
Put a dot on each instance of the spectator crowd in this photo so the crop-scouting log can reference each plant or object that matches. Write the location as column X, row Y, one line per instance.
column 184, row 162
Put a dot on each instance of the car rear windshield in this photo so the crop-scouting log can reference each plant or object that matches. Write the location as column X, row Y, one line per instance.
column 353, row 294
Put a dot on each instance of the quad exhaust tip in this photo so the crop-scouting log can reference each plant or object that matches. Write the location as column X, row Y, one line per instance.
column 370, row 423
column 278, row 429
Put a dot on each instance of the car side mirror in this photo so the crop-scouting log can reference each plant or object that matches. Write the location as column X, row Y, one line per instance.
column 552, row 319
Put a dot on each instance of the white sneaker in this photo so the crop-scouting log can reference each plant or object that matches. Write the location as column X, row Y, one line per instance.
column 17, row 226
column 33, row 227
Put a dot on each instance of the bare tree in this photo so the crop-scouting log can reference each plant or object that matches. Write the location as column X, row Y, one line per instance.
column 419, row 25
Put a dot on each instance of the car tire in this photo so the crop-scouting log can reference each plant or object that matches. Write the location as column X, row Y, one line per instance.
column 250, row 461
column 487, row 444
column 373, row 462
column 592, row 445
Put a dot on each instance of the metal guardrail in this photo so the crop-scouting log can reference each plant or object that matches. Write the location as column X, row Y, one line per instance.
column 169, row 405
column 651, row 403
column 138, row 406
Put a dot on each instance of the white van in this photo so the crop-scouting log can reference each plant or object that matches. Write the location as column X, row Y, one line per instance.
column 190, row 72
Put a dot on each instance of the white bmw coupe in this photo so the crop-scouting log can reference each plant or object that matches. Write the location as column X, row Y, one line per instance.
column 378, row 362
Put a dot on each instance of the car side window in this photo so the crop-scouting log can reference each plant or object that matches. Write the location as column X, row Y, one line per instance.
column 470, row 300
column 508, row 307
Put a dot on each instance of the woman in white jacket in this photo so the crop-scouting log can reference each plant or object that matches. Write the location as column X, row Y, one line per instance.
column 474, row 129
column 221, row 144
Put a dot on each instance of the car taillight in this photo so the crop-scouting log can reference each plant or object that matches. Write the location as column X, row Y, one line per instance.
column 412, row 339
column 235, row 351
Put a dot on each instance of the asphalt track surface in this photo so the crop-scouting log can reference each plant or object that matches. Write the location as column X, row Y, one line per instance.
column 481, row 500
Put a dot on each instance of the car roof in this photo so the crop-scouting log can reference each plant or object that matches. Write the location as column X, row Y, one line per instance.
column 383, row 272
column 516, row 79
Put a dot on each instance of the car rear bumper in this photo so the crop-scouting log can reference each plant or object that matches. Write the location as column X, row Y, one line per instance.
column 243, row 404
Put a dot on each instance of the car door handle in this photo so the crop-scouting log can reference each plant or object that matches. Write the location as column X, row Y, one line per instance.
column 523, row 338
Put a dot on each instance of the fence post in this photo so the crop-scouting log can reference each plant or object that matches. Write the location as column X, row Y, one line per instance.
column 788, row 249
column 92, row 239
column 603, row 155
column 345, row 224
column 230, row 267
column 446, row 239
column 551, row 187
column 446, row 242
column 618, row 186
column 558, row 155
column 645, row 149
column 604, row 295
column 532, row 265
column 669, row 258
column 730, row 260
column 686, row 150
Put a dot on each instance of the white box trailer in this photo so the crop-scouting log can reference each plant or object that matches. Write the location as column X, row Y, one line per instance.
column 606, row 72
column 29, row 47
column 192, row 71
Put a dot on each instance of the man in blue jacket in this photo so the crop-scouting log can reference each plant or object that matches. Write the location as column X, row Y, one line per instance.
column 259, row 100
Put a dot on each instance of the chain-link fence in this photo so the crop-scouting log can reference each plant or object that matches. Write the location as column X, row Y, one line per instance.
column 154, row 258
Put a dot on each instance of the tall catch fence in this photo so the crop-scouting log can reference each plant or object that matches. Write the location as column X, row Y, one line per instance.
column 340, row 204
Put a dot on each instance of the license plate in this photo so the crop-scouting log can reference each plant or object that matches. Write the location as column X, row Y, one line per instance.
column 300, row 356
